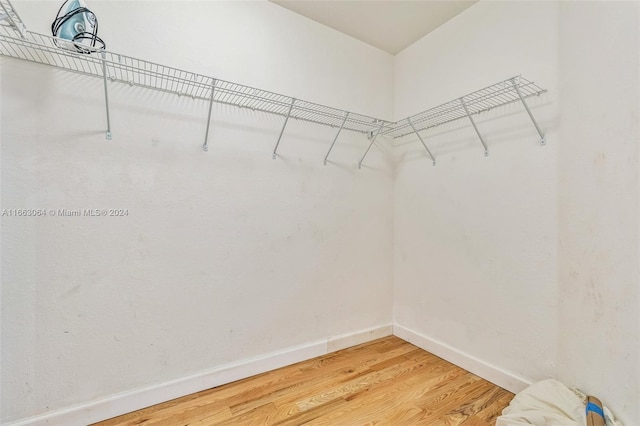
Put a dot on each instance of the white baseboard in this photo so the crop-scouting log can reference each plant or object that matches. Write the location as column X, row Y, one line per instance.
column 493, row 374
column 352, row 339
column 118, row 404
column 122, row 403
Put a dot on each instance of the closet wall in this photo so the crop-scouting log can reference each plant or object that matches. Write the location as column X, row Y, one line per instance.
column 524, row 265
column 224, row 256
column 476, row 237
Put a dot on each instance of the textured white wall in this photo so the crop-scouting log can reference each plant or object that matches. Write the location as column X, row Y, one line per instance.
column 598, row 245
column 225, row 255
column 527, row 260
column 475, row 237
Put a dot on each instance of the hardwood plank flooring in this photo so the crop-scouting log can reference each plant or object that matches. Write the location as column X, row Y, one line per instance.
column 384, row 382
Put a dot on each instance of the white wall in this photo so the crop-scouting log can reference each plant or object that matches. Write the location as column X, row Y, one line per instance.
column 225, row 255
column 598, row 255
column 475, row 237
column 524, row 265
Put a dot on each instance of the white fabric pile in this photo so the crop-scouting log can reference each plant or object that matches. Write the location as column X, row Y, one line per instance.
column 548, row 403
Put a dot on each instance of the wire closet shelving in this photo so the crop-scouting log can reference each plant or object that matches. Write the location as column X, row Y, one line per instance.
column 17, row 42
column 10, row 18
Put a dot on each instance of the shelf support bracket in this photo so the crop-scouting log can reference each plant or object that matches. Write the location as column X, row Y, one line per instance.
column 421, row 140
column 205, row 147
column 106, row 95
column 473, row 123
column 275, row 149
column 373, row 139
column 543, row 140
column 336, row 138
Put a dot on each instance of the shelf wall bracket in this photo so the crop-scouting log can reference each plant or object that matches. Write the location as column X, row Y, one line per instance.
column 473, row 123
column 336, row 138
column 421, row 140
column 275, row 148
column 106, row 95
column 543, row 140
column 205, row 147
column 373, row 139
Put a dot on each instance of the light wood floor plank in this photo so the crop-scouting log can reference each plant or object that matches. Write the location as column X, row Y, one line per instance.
column 384, row 382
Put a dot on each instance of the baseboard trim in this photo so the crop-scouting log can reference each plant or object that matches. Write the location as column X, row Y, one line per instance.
column 122, row 403
column 491, row 373
column 358, row 337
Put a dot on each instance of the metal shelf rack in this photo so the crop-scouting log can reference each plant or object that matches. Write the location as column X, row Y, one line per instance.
column 10, row 18
column 16, row 42
column 505, row 92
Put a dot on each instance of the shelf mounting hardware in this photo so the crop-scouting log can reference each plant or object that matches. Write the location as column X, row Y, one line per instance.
column 275, row 149
column 543, row 140
column 205, row 147
column 106, row 95
column 421, row 140
column 373, row 139
column 473, row 123
column 335, row 138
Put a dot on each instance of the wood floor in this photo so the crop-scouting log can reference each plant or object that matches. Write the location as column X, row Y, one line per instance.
column 384, row 382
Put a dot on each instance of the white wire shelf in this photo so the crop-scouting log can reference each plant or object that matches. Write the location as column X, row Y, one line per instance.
column 137, row 72
column 482, row 100
column 114, row 67
column 10, row 18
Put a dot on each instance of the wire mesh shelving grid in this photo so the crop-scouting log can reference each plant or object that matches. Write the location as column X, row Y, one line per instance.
column 9, row 18
column 114, row 67
column 494, row 96
column 48, row 50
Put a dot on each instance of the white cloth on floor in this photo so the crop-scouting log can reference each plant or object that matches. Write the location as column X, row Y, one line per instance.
column 548, row 403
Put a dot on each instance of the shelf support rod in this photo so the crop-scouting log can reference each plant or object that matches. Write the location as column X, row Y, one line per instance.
column 106, row 95
column 205, row 147
column 421, row 140
column 373, row 139
column 336, row 138
column 466, row 110
column 275, row 149
column 543, row 141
